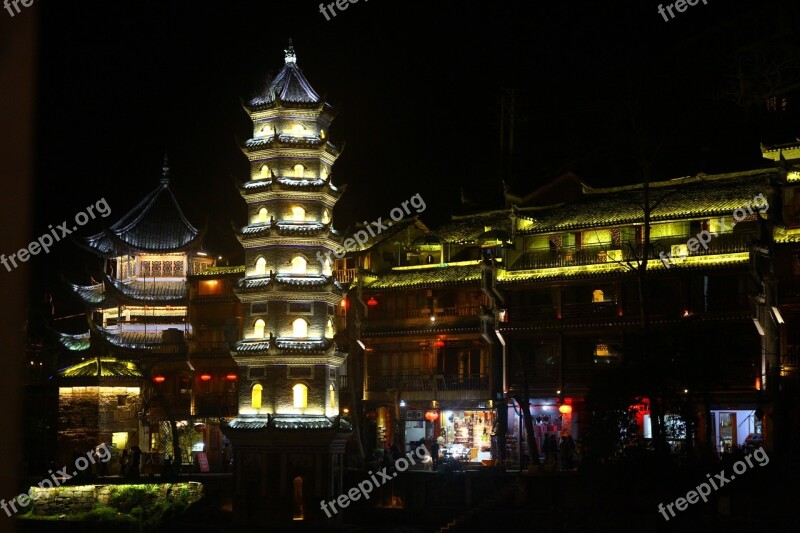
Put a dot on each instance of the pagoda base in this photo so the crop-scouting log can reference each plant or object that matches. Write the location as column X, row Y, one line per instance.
column 283, row 471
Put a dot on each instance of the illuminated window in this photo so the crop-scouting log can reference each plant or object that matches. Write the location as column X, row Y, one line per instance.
column 261, row 266
column 321, row 134
column 264, row 172
column 332, row 398
column 300, row 328
column 258, row 332
column 596, row 237
column 298, row 214
column 326, row 267
column 255, row 400
column 329, row 329
column 299, row 265
column 262, row 214
column 300, row 394
column 323, row 173
column 326, row 217
column 598, row 296
column 211, row 286
column 299, row 171
column 298, row 130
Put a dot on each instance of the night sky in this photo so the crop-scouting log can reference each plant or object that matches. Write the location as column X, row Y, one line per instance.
column 417, row 86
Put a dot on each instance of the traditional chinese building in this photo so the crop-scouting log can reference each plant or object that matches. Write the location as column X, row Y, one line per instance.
column 137, row 383
column 289, row 438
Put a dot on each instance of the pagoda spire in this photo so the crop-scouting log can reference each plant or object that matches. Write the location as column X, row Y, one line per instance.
column 289, row 54
column 165, row 170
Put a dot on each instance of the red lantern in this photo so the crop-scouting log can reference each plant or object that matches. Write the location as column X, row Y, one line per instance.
column 431, row 416
column 565, row 409
column 372, row 302
column 372, row 415
column 159, row 379
column 205, row 377
column 231, row 377
column 439, row 344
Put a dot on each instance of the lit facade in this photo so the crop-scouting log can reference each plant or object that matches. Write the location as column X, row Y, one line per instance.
column 288, row 437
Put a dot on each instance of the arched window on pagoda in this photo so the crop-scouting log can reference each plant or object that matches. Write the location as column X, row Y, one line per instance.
column 329, row 329
column 300, row 396
column 262, row 215
column 331, row 396
column 299, row 171
column 298, row 214
column 264, row 172
column 323, row 173
column 261, row 266
column 300, row 329
column 299, row 265
column 255, row 397
column 326, row 216
column 258, row 329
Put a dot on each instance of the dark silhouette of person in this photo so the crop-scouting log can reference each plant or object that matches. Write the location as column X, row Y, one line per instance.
column 136, row 459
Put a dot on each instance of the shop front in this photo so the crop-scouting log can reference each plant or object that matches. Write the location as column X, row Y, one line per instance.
column 466, row 435
column 732, row 427
column 551, row 418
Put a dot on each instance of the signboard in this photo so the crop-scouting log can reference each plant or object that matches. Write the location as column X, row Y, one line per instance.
column 202, row 461
column 414, row 414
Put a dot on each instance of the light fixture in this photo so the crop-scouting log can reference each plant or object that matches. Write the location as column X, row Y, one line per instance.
column 231, row 377
column 402, row 403
column 372, row 302
column 205, row 377
column 439, row 344
column 431, row 416
column 159, row 379
column 433, row 318
column 565, row 409
column 361, row 344
column 346, row 411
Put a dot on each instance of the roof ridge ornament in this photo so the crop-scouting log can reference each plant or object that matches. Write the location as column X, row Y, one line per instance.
column 289, row 54
column 165, row 171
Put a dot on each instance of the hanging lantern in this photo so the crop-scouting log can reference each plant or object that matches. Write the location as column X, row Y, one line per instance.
column 372, row 302
column 205, row 377
column 159, row 379
column 231, row 377
column 372, row 415
column 565, row 409
column 439, row 344
column 431, row 416
column 344, row 303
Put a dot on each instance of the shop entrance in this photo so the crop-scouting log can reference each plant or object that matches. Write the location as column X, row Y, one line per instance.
column 467, row 434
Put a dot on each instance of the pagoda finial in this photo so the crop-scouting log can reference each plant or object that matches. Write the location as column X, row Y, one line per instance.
column 165, row 170
column 290, row 56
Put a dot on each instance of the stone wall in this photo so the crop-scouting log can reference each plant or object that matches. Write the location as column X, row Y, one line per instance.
column 71, row 500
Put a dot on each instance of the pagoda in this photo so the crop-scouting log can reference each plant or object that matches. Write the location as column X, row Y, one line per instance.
column 137, row 326
column 289, row 437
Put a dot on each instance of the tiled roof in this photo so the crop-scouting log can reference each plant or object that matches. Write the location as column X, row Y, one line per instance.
column 284, row 422
column 90, row 294
column 309, row 281
column 288, row 86
column 107, row 368
column 139, row 341
column 74, row 343
column 692, row 197
column 506, row 277
column 156, row 225
column 785, row 236
column 150, row 291
column 428, row 277
column 294, row 346
column 467, row 229
column 221, row 271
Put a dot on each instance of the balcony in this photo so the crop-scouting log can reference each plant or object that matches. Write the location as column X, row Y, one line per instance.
column 210, row 348
column 346, row 275
column 429, row 387
column 592, row 255
column 381, row 313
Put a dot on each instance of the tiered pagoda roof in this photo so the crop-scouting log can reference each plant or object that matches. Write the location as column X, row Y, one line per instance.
column 289, row 86
column 155, row 225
